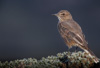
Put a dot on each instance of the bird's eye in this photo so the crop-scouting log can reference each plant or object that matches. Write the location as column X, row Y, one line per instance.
column 63, row 14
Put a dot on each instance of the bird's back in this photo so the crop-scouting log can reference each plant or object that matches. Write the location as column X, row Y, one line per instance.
column 71, row 25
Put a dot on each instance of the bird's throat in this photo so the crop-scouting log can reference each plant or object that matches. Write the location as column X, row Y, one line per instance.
column 64, row 19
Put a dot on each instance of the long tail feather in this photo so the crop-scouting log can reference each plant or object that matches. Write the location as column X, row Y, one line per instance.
column 91, row 54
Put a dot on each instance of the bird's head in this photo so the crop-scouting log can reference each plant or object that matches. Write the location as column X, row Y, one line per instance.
column 63, row 15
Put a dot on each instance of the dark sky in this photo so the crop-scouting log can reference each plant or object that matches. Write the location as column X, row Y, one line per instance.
column 27, row 28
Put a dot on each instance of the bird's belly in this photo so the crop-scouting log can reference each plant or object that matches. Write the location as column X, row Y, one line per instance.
column 70, row 42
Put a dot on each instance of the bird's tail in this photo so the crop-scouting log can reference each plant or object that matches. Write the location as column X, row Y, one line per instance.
column 92, row 55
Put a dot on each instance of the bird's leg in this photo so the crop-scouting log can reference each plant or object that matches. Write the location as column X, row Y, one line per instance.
column 76, row 48
column 68, row 50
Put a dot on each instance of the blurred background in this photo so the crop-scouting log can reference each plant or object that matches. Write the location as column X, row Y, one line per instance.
column 27, row 28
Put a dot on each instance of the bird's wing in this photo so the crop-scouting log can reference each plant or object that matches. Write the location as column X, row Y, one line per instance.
column 76, row 37
column 73, row 30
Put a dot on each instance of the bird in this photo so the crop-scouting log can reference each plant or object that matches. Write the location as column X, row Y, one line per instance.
column 72, row 33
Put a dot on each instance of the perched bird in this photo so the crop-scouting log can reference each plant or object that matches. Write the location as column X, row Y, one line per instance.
column 72, row 33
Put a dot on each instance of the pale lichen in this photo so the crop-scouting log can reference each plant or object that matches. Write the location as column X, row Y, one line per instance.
column 62, row 60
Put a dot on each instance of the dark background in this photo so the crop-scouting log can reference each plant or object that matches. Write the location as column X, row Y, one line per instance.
column 27, row 28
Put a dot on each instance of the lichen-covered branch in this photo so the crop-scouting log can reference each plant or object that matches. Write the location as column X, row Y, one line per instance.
column 62, row 60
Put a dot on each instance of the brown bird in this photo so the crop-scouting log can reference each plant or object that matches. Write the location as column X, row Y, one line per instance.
column 72, row 33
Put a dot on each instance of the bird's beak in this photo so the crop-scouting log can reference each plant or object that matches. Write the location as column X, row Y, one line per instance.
column 55, row 14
